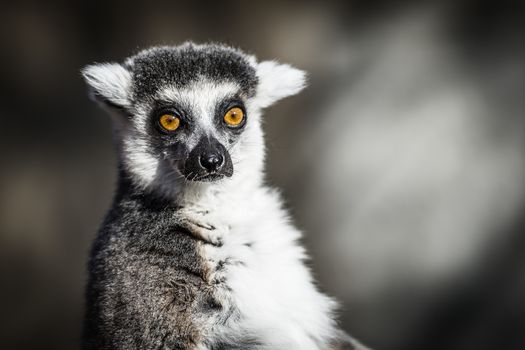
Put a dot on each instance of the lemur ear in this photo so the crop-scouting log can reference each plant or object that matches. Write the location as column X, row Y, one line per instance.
column 277, row 81
column 109, row 82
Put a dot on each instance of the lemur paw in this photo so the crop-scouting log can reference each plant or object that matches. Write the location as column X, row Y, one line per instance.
column 198, row 222
column 202, row 231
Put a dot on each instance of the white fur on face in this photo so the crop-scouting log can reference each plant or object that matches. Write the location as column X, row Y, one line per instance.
column 203, row 97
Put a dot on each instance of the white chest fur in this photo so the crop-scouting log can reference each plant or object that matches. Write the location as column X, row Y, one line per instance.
column 264, row 278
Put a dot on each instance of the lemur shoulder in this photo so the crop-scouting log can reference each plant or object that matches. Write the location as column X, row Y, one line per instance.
column 196, row 252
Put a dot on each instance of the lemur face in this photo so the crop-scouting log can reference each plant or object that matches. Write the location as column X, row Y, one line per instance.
column 195, row 130
column 190, row 113
column 194, row 136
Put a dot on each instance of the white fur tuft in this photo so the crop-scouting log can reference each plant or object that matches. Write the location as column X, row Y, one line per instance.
column 111, row 81
column 277, row 81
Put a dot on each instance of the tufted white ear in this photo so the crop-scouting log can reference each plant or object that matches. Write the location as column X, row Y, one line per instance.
column 277, row 81
column 110, row 83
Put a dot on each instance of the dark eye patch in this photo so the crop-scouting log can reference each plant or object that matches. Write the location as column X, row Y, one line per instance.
column 224, row 106
column 170, row 107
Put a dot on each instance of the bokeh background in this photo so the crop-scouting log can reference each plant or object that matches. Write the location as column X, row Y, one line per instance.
column 403, row 162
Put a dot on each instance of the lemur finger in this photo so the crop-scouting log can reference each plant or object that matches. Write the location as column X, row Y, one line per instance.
column 201, row 231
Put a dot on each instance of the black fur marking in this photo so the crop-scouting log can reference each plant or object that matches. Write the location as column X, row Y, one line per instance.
column 224, row 107
column 220, row 265
column 194, row 171
column 181, row 65
column 212, row 304
column 156, row 132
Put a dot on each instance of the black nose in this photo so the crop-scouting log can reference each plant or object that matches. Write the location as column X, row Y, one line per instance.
column 211, row 161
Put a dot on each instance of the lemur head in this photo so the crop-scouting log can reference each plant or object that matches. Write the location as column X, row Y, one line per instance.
column 190, row 114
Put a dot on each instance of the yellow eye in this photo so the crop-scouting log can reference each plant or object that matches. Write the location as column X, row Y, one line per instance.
column 234, row 116
column 169, row 122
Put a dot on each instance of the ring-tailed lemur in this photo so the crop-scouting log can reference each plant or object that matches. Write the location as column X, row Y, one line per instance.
column 196, row 253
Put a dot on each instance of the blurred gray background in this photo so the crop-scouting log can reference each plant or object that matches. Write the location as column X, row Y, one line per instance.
column 403, row 162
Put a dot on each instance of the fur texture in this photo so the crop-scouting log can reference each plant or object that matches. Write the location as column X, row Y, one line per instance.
column 182, row 264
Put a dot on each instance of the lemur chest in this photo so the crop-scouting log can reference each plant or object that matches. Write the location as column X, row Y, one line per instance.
column 253, row 262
